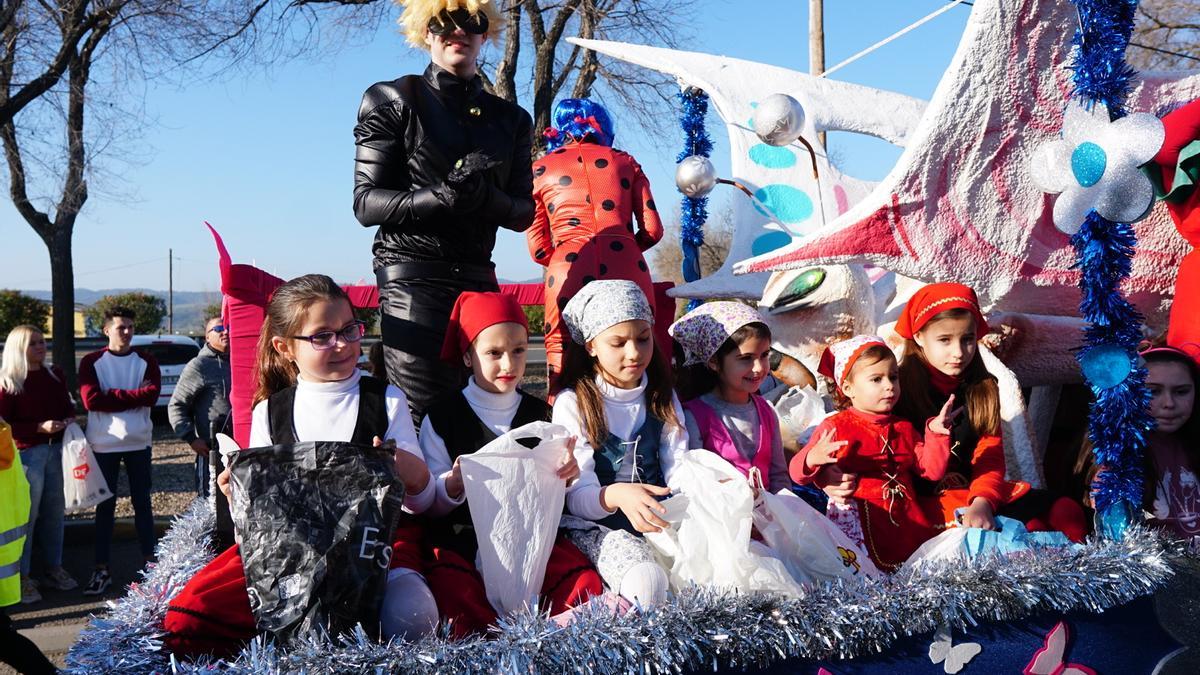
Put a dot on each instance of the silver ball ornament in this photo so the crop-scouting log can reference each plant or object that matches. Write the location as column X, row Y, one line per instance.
column 778, row 119
column 695, row 176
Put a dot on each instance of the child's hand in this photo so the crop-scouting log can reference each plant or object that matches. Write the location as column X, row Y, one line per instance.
column 223, row 482
column 941, row 424
column 51, row 426
column 454, row 482
column 568, row 467
column 838, row 485
column 825, row 450
column 979, row 514
column 637, row 501
column 409, row 468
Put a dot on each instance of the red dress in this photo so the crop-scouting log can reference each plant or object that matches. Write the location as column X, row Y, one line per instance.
column 887, row 453
column 587, row 196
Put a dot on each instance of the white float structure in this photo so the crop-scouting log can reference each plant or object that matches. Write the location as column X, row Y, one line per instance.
column 780, row 177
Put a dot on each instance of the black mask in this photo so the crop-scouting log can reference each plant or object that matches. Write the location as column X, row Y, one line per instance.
column 447, row 22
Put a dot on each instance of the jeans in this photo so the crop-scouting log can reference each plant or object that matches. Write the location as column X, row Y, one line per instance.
column 43, row 470
column 137, row 467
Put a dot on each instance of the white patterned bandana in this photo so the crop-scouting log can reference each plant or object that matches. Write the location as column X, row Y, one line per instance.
column 602, row 304
column 839, row 358
column 702, row 331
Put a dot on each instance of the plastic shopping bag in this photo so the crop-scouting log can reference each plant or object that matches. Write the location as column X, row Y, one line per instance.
column 800, row 410
column 83, row 484
column 516, row 500
column 810, row 545
column 969, row 543
column 711, row 516
column 314, row 522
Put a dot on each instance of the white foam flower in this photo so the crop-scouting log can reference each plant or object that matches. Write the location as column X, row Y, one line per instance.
column 1094, row 165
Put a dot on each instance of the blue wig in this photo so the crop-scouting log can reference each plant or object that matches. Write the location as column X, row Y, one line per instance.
column 578, row 118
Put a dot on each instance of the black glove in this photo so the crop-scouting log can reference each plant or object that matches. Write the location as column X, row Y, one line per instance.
column 465, row 189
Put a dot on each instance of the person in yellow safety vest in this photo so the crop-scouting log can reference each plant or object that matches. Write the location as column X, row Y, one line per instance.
column 15, row 649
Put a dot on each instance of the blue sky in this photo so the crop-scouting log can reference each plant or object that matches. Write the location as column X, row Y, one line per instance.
column 268, row 157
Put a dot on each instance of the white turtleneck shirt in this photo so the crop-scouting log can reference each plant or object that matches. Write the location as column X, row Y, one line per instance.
column 328, row 411
column 495, row 410
column 625, row 411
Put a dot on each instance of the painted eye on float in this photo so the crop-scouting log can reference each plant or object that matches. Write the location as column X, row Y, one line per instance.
column 804, row 285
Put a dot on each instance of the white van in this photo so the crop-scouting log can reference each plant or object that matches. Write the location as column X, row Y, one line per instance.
column 172, row 353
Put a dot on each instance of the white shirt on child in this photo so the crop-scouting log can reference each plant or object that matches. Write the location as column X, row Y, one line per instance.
column 328, row 411
column 494, row 410
column 625, row 410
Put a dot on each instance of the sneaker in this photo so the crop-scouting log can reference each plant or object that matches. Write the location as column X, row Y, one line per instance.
column 29, row 592
column 100, row 582
column 59, row 579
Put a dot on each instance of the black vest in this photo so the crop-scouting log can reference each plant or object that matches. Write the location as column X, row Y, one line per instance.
column 963, row 440
column 454, row 420
column 372, row 413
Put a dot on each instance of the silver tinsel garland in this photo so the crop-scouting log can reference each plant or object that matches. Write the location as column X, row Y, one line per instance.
column 700, row 628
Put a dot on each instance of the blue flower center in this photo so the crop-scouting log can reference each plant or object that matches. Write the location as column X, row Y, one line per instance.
column 1088, row 163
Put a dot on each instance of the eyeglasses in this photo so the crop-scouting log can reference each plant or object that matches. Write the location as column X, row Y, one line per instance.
column 447, row 22
column 217, row 329
column 353, row 332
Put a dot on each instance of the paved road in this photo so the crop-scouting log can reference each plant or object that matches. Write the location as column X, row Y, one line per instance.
column 54, row 623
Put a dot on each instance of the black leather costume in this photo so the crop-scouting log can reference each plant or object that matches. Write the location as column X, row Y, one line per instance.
column 437, row 216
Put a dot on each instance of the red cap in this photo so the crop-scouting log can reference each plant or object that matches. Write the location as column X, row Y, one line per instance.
column 934, row 299
column 472, row 313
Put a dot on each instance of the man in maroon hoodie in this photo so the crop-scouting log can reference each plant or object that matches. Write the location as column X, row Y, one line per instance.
column 119, row 386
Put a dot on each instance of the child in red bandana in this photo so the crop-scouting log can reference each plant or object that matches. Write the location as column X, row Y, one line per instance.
column 488, row 334
column 942, row 324
column 885, row 451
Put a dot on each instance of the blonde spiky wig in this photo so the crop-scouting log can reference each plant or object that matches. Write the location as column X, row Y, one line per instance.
column 414, row 21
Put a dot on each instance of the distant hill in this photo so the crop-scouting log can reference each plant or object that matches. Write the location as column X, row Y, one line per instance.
column 189, row 305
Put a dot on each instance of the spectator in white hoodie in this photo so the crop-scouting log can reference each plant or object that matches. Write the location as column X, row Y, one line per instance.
column 118, row 386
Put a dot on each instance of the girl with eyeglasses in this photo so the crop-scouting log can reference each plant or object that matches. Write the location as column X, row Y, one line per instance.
column 310, row 389
column 308, row 353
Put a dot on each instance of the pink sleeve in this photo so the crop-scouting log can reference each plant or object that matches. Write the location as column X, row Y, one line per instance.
column 933, row 455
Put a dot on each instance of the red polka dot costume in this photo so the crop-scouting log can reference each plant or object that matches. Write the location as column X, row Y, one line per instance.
column 587, row 197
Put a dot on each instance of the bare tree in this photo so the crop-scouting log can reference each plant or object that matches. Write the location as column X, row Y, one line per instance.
column 538, row 29
column 560, row 68
column 1166, row 35
column 58, row 119
column 666, row 258
column 76, row 23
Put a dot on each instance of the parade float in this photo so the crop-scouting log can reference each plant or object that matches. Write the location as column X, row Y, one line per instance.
column 992, row 189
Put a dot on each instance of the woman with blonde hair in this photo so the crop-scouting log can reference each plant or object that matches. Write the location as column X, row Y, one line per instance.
column 35, row 403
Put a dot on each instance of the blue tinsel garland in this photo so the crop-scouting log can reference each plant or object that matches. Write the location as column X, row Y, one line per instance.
column 1119, row 419
column 694, row 210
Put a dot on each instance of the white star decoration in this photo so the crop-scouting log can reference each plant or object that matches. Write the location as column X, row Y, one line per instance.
column 1095, row 166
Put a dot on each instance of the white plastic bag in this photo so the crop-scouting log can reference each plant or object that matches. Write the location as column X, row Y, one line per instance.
column 969, row 543
column 516, row 500
column 810, row 545
column 800, row 410
column 83, row 484
column 708, row 542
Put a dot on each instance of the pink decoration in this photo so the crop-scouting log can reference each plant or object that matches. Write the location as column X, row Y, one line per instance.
column 1049, row 659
